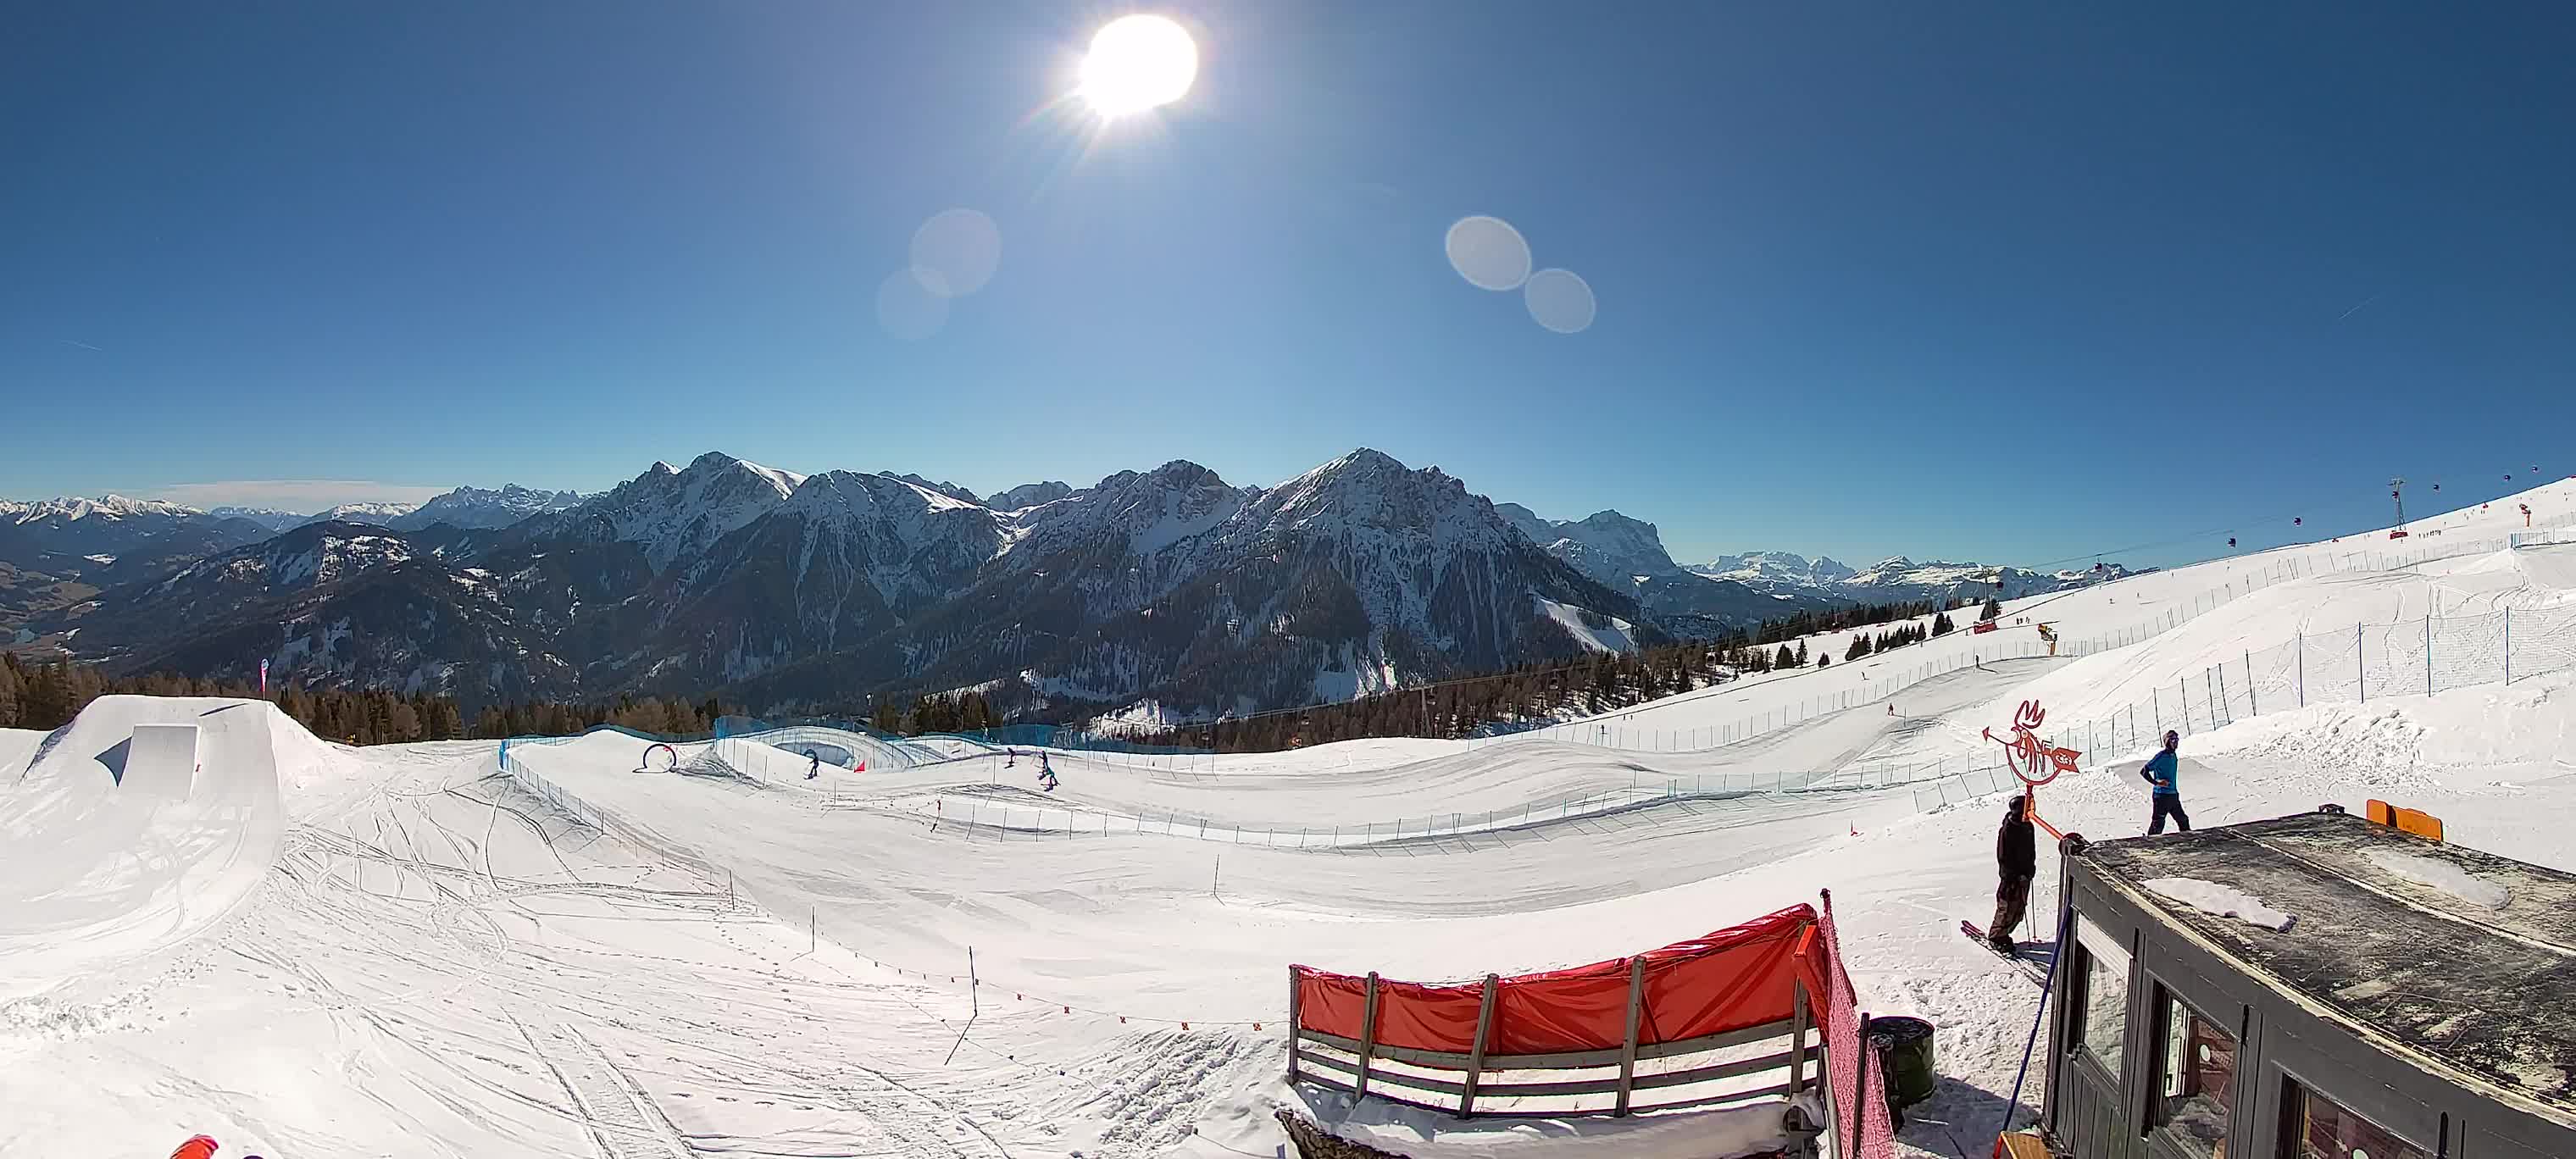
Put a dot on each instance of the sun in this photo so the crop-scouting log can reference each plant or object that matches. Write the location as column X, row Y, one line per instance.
column 1137, row 63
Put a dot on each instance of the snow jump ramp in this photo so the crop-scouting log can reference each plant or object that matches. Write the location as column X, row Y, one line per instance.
column 137, row 826
column 2550, row 565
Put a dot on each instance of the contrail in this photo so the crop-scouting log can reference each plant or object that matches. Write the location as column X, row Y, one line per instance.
column 2357, row 309
column 83, row 345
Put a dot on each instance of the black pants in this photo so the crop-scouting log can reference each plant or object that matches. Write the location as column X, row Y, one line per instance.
column 2012, row 901
column 2169, row 805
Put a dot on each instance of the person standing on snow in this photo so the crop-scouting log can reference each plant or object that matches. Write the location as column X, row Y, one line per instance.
column 816, row 769
column 2161, row 770
column 2016, row 862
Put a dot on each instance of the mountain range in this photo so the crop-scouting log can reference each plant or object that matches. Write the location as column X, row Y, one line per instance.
column 1170, row 588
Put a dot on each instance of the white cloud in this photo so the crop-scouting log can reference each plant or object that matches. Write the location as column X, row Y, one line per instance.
column 301, row 495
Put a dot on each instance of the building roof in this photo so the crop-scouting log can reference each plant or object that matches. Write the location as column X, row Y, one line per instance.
column 2461, row 955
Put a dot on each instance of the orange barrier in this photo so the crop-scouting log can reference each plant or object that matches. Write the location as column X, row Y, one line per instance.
column 2415, row 821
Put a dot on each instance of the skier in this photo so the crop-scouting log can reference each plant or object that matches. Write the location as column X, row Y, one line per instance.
column 1046, row 780
column 816, row 769
column 197, row 1147
column 1010, row 758
column 2016, row 862
column 2162, row 771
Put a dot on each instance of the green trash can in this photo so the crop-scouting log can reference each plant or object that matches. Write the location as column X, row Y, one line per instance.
column 1904, row 1059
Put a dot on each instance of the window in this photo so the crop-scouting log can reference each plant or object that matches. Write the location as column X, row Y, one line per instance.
column 2197, row 1067
column 2102, row 1023
column 2319, row 1128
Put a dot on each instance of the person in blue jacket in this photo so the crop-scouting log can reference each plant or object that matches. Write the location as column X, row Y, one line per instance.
column 2161, row 771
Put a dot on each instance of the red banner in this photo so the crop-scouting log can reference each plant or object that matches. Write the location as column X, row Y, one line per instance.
column 1727, row 980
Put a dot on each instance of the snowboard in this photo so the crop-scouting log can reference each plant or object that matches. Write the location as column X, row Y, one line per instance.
column 2036, row 967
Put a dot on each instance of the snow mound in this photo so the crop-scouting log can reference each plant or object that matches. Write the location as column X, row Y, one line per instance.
column 92, row 874
column 2225, row 901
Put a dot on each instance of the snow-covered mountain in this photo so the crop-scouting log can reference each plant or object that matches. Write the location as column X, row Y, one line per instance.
column 1175, row 586
column 1627, row 555
column 268, row 517
column 475, row 507
column 950, row 490
column 77, row 537
column 1027, row 495
column 1896, row 579
column 1776, row 570
column 776, row 588
column 372, row 514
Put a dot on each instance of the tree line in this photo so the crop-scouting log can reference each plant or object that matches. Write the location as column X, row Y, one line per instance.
column 48, row 695
column 1543, row 693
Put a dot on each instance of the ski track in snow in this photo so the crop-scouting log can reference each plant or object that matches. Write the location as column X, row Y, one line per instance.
column 400, row 951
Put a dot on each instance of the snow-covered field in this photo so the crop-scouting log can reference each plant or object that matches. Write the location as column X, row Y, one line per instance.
column 402, row 951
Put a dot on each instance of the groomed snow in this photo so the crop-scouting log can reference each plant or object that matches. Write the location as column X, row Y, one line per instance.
column 401, row 951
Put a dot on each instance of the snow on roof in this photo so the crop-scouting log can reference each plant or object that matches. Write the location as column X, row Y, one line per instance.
column 2384, row 939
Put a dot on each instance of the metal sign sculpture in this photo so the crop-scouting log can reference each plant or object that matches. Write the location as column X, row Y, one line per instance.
column 2035, row 761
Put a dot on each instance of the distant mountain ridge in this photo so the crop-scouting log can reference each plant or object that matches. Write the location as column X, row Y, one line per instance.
column 1171, row 588
column 780, row 588
column 1897, row 579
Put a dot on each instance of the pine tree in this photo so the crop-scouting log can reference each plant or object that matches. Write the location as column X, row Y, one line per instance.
column 1941, row 625
column 1994, row 608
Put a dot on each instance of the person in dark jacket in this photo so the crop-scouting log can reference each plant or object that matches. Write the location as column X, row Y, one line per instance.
column 2163, row 771
column 2016, row 862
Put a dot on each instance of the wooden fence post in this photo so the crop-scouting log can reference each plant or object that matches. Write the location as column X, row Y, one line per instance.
column 1797, row 1037
column 1368, row 1037
column 1628, row 1050
column 1296, row 1023
column 1476, row 1054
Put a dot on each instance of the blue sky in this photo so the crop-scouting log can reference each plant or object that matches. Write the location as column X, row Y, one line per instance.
column 2017, row 282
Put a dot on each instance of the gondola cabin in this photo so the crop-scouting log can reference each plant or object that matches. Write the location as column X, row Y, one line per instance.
column 2310, row 987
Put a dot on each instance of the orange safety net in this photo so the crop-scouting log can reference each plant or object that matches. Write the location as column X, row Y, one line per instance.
column 1739, row 977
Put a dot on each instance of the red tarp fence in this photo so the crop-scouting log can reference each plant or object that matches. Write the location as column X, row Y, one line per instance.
column 1739, row 978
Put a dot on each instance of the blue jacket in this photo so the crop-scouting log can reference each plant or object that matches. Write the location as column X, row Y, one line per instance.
column 2161, row 769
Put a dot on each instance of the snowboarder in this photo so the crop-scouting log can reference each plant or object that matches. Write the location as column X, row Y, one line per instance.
column 816, row 769
column 197, row 1147
column 2016, row 862
column 2162, row 771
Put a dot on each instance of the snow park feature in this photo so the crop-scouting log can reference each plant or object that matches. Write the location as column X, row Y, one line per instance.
column 670, row 758
column 525, row 949
column 160, row 760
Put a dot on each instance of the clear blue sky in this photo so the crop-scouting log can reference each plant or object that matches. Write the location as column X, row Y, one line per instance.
column 2005, row 281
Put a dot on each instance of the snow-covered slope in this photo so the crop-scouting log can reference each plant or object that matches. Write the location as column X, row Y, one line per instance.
column 377, row 514
column 268, row 518
column 1027, row 495
column 475, row 507
column 1627, row 556
column 668, row 513
column 433, row 958
column 1896, row 579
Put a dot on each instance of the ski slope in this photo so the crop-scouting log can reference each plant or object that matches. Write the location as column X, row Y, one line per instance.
column 402, row 951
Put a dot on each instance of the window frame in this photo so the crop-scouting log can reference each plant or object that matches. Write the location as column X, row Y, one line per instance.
column 2165, row 998
column 2090, row 939
column 2289, row 1139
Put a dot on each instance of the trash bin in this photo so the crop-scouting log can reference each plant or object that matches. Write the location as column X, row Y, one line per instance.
column 1904, row 1059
